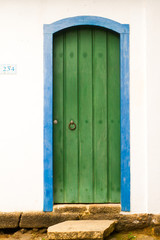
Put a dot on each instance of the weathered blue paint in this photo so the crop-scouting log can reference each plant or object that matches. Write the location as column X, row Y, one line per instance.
column 49, row 30
column 48, row 120
column 86, row 20
column 125, row 122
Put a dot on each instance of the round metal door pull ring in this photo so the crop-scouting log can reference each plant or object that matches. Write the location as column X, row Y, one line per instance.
column 72, row 125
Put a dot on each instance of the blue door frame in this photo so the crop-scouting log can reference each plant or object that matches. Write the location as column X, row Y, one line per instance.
column 49, row 30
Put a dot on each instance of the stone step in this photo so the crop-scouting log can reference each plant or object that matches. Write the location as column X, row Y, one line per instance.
column 91, row 208
column 81, row 229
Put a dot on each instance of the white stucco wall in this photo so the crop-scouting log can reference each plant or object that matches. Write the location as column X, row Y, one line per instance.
column 153, row 104
column 21, row 96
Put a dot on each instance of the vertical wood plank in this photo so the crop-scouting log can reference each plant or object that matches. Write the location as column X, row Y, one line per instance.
column 70, row 113
column 58, row 115
column 114, row 117
column 85, row 117
column 100, row 115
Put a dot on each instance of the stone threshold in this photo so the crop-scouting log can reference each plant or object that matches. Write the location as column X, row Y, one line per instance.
column 64, row 212
column 81, row 229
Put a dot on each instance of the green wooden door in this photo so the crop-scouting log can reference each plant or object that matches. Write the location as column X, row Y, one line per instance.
column 86, row 91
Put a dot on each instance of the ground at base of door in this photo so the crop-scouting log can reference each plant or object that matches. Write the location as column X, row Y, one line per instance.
column 41, row 234
column 24, row 234
column 150, row 233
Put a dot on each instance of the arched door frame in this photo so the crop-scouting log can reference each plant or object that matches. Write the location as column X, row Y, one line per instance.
column 123, row 30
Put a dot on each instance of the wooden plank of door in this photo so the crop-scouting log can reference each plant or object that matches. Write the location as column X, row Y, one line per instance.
column 58, row 115
column 70, row 113
column 114, row 117
column 100, row 114
column 85, row 116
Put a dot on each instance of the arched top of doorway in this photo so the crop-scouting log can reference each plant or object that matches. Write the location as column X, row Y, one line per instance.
column 86, row 20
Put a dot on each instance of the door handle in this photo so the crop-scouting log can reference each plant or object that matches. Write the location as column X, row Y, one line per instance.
column 55, row 121
column 72, row 125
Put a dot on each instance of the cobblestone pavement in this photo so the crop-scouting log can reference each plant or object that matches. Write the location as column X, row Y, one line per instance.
column 142, row 234
column 25, row 234
column 41, row 234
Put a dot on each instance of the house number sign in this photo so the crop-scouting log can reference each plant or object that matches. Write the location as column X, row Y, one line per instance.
column 8, row 68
